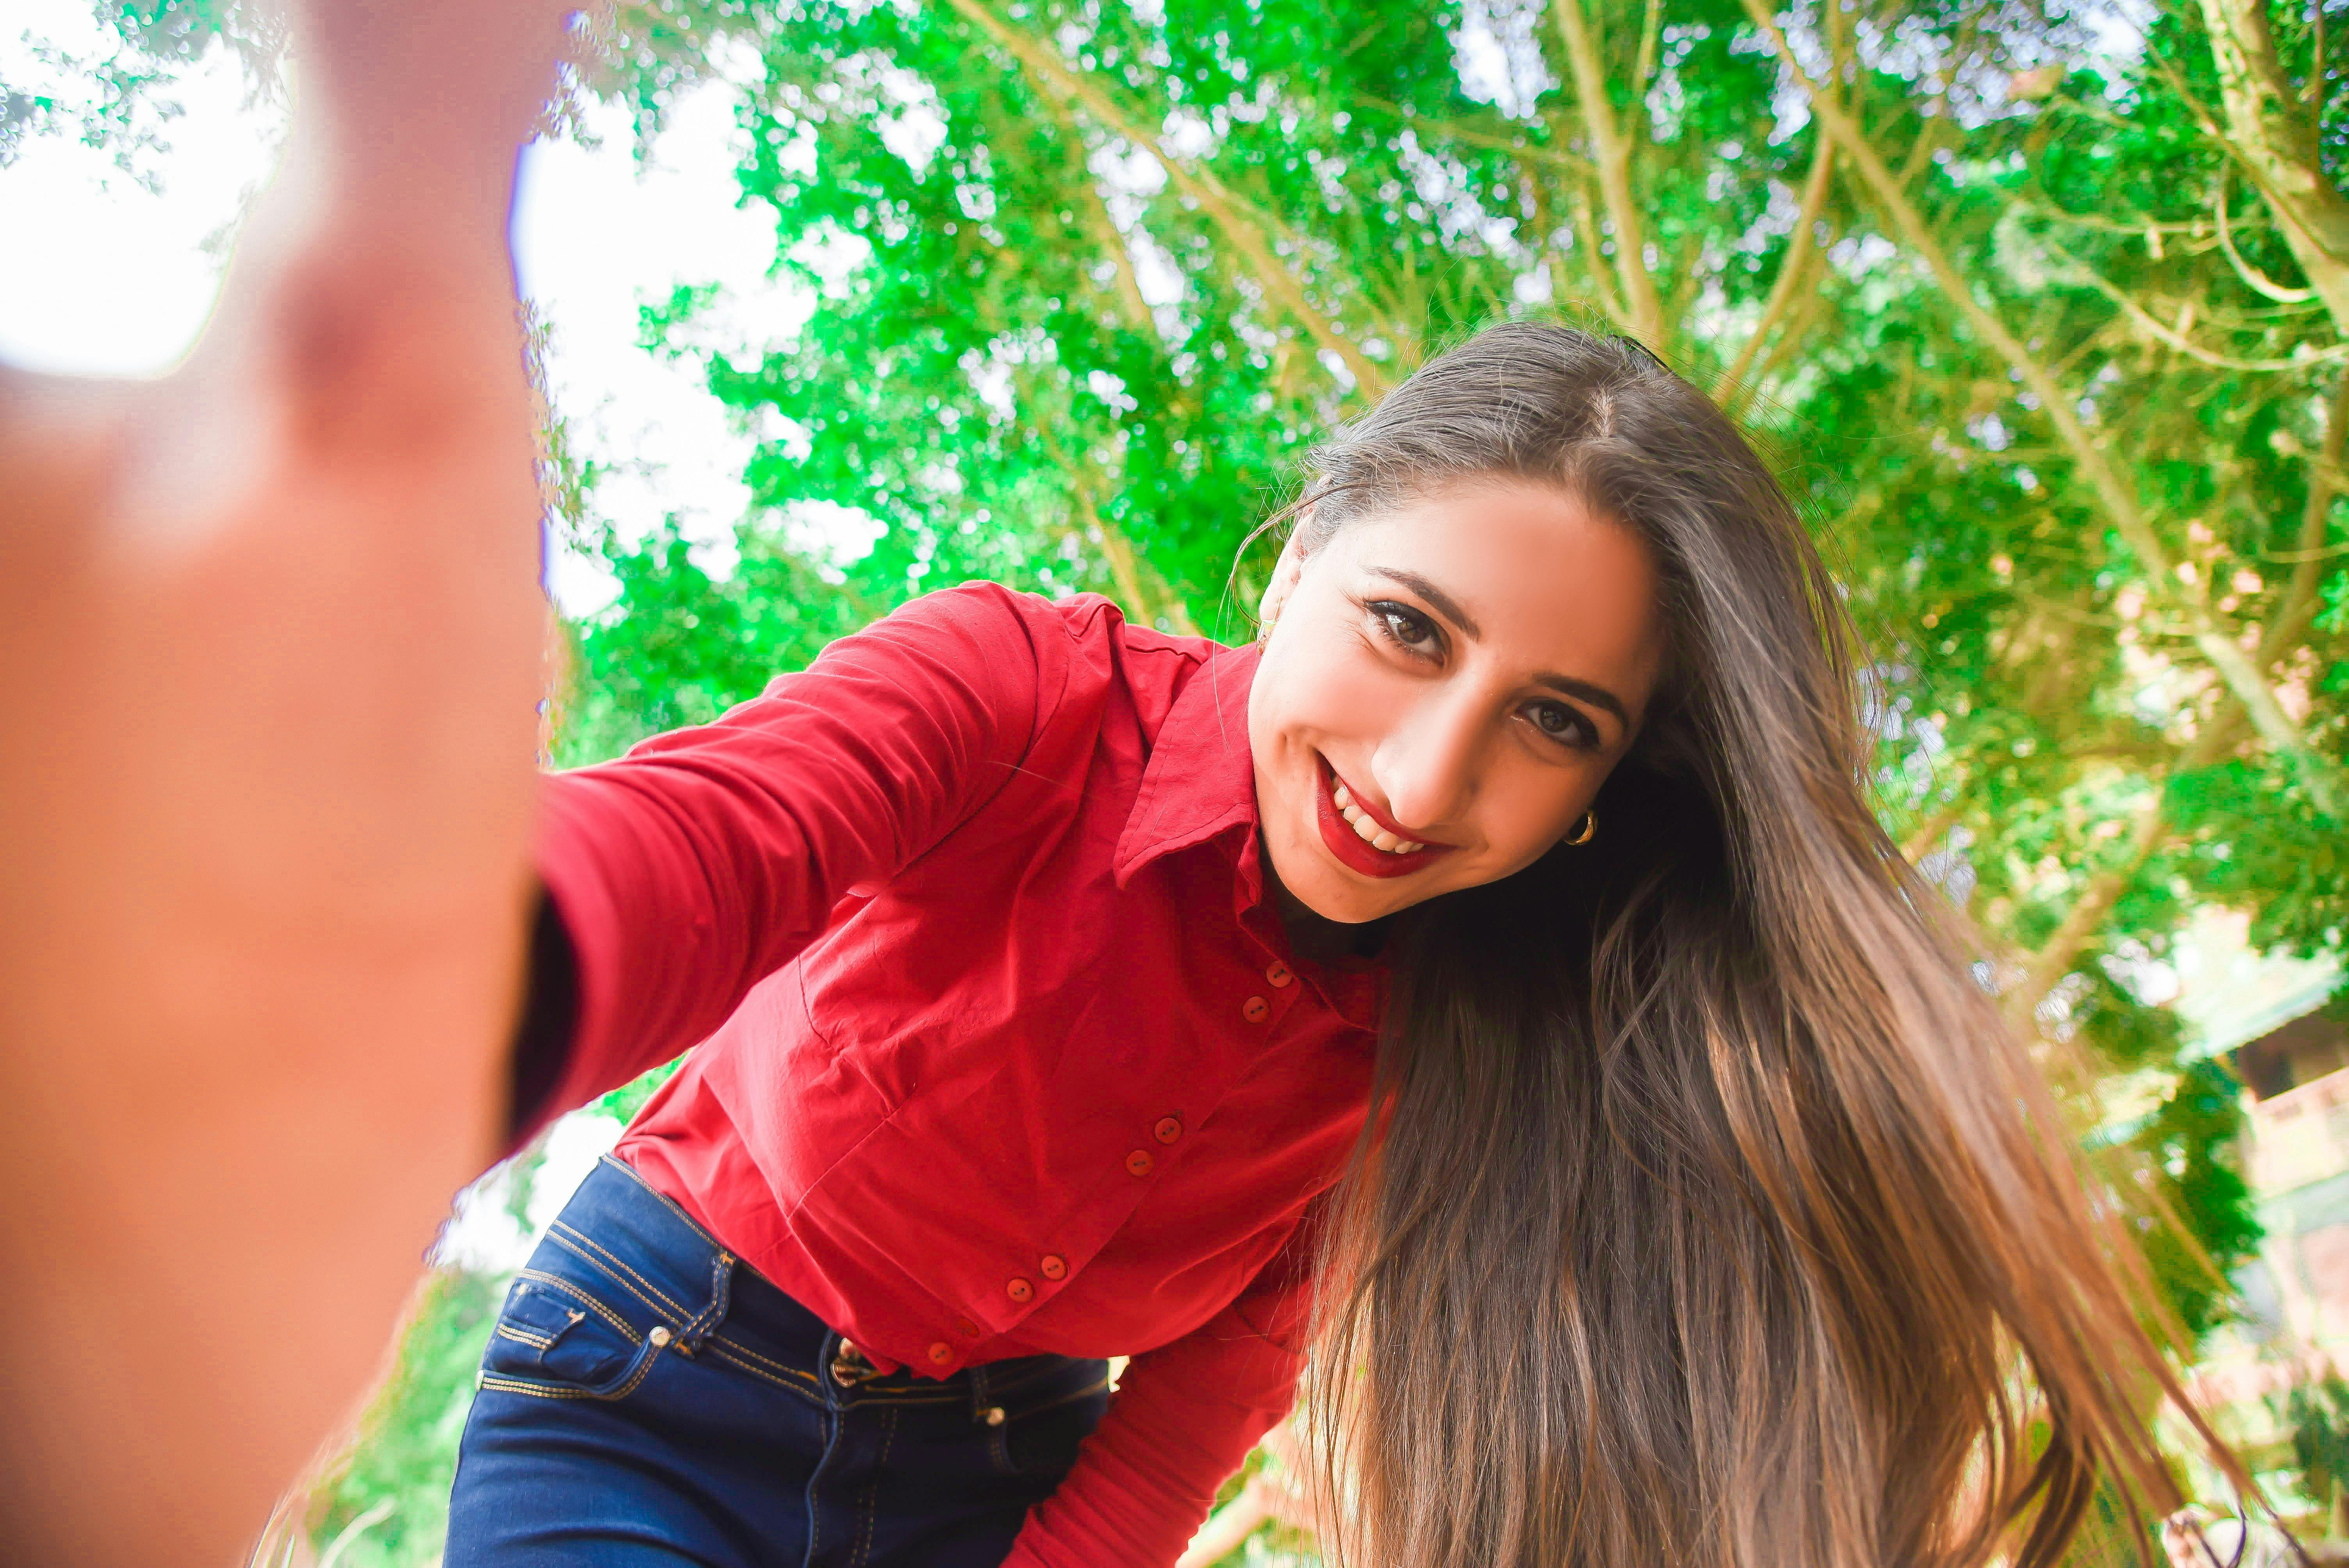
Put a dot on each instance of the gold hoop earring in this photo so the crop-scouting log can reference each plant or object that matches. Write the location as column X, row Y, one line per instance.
column 1590, row 827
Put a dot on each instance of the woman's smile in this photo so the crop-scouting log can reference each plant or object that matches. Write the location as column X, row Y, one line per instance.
column 1361, row 838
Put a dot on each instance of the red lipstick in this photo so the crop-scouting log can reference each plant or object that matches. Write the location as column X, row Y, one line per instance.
column 1353, row 851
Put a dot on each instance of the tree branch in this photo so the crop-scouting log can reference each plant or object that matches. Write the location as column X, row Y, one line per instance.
column 1809, row 303
column 2297, row 610
column 2272, row 134
column 2233, row 665
column 1928, row 835
column 2086, row 917
column 1281, row 287
column 1098, row 220
column 1428, row 127
column 2176, row 339
column 1790, row 271
column 1587, row 227
column 1126, row 570
column 2259, row 281
column 1612, row 149
column 1644, row 70
column 2150, row 835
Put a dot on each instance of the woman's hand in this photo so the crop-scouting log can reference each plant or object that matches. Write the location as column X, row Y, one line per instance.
column 272, row 637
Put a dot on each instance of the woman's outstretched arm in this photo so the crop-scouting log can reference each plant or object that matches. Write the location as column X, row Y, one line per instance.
column 272, row 634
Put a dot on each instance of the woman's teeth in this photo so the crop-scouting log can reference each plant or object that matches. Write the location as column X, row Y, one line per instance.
column 1368, row 832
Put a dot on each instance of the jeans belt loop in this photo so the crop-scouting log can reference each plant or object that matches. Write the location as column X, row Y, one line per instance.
column 721, row 1289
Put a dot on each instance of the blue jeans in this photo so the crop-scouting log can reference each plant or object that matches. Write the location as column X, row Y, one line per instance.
column 648, row 1399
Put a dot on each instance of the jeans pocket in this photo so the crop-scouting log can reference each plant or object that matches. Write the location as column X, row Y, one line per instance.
column 555, row 1340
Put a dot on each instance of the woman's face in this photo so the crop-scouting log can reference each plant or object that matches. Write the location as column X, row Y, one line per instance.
column 1445, row 686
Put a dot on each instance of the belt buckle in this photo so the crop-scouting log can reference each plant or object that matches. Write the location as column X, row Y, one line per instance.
column 850, row 1366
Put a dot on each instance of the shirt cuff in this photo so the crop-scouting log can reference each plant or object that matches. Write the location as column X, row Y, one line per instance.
column 548, row 1028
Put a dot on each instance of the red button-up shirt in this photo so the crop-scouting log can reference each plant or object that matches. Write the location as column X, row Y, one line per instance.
column 1001, row 1049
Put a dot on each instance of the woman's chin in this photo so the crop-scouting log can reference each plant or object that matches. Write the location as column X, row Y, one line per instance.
column 1334, row 894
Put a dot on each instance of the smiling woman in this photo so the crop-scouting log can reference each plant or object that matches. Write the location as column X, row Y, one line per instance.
column 1707, row 1213
column 1045, row 970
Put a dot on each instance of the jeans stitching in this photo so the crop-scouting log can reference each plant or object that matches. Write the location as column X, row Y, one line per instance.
column 573, row 1248
column 873, row 1492
column 620, row 1263
column 508, row 1385
column 719, row 1349
column 493, row 1382
column 766, row 1367
column 721, row 1301
column 739, row 1349
column 605, row 1313
column 815, row 1502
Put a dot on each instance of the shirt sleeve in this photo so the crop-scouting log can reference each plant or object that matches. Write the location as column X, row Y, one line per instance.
column 1183, row 1419
column 706, row 859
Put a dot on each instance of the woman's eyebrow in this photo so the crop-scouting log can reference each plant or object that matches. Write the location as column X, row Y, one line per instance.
column 1445, row 605
column 1596, row 695
column 1449, row 608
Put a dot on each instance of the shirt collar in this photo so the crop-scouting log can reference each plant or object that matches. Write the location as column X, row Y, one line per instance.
column 1200, row 783
column 1200, row 780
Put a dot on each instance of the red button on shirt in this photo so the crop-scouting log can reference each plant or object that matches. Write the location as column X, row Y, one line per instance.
column 1053, row 1267
column 1168, row 1130
column 936, row 911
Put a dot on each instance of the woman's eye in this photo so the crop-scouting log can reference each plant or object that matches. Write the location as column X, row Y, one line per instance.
column 1561, row 722
column 1405, row 626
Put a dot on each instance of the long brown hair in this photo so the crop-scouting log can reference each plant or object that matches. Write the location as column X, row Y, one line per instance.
column 1710, row 1215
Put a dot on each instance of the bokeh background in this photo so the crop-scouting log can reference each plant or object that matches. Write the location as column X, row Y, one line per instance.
column 2041, row 310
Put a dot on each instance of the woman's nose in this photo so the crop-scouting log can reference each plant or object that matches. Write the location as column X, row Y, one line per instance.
column 1427, row 765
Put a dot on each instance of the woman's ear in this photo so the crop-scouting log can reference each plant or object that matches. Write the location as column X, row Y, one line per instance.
column 1285, row 573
